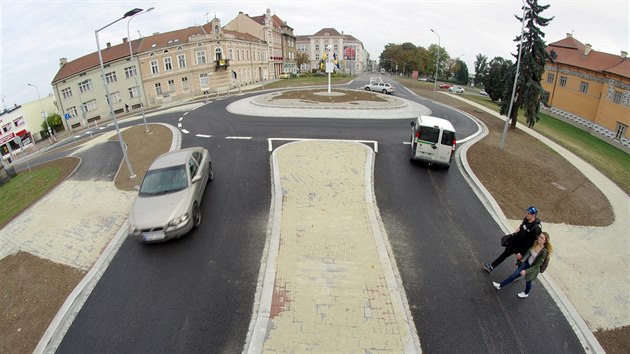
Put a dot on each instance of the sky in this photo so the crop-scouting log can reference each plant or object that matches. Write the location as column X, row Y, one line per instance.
column 35, row 34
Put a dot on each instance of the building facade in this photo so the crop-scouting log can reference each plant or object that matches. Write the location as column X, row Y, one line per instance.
column 349, row 52
column 276, row 33
column 175, row 66
column 589, row 88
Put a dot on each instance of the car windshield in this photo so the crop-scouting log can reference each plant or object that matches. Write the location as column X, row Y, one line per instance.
column 164, row 180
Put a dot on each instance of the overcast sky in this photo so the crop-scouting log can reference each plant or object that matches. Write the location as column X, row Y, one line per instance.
column 35, row 34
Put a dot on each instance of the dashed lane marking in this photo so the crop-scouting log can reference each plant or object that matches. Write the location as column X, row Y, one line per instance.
column 239, row 137
column 203, row 136
column 185, row 131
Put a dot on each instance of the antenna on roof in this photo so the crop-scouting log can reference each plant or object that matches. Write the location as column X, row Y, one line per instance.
column 139, row 34
column 207, row 13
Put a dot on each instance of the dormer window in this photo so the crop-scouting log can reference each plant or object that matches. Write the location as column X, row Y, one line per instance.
column 153, row 45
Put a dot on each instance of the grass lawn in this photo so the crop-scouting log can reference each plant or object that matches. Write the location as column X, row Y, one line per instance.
column 24, row 189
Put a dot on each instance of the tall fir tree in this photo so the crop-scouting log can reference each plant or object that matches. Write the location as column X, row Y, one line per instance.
column 529, row 92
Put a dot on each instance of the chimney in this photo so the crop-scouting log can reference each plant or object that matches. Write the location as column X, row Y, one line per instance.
column 624, row 54
column 587, row 49
column 569, row 35
column 109, row 44
column 62, row 61
column 125, row 40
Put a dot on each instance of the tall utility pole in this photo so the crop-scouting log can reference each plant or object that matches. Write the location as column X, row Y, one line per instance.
column 518, row 65
column 136, row 70
column 51, row 138
column 437, row 63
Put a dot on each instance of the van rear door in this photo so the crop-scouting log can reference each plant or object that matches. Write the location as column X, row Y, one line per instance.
column 446, row 146
column 425, row 142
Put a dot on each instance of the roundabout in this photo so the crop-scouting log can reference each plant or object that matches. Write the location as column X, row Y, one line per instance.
column 318, row 103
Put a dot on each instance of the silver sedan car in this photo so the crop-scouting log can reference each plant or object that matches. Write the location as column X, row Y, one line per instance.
column 170, row 195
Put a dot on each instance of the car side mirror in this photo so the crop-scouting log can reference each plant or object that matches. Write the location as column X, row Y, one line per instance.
column 196, row 179
column 413, row 124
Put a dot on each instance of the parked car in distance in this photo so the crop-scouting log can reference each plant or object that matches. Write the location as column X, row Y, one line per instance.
column 430, row 79
column 422, row 79
column 283, row 76
column 169, row 201
column 456, row 89
column 445, row 86
column 379, row 87
column 483, row 93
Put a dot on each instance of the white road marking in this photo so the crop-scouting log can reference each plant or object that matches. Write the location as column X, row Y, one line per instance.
column 181, row 119
column 368, row 142
column 185, row 113
column 203, row 135
column 406, row 142
column 185, row 131
column 238, row 137
column 179, row 125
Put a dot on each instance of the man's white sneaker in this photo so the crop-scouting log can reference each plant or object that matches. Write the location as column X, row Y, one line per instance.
column 496, row 285
column 522, row 295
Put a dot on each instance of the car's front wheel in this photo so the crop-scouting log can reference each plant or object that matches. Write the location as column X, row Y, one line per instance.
column 384, row 91
column 196, row 215
column 367, row 89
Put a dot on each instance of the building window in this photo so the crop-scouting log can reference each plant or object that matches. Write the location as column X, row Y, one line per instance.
column 158, row 89
column 203, row 80
column 185, row 85
column 563, row 81
column 171, row 85
column 620, row 132
column 110, row 77
column 218, row 54
column 130, row 72
column 238, row 54
column 201, row 57
column 617, row 97
column 168, row 65
column 550, row 78
column 85, row 85
column 231, row 54
column 66, row 93
column 317, row 47
column 584, row 87
column 154, row 67
column 181, row 60
column 336, row 48
column 89, row 105
column 133, row 92
column 19, row 122
column 114, row 97
column 316, row 56
column 72, row 111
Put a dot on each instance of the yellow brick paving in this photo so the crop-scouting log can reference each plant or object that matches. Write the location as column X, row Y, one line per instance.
column 330, row 292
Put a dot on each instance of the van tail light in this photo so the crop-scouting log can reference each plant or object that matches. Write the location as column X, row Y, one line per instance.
column 417, row 135
column 453, row 147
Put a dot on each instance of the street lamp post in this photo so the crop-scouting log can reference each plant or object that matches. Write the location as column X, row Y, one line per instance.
column 109, row 103
column 136, row 70
column 518, row 64
column 437, row 63
column 51, row 138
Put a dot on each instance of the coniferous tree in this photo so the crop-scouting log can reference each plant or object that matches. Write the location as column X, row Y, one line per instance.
column 529, row 92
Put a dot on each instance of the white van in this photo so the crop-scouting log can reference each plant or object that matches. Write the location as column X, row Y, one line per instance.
column 432, row 141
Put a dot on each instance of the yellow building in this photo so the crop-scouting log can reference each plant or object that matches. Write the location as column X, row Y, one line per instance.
column 588, row 88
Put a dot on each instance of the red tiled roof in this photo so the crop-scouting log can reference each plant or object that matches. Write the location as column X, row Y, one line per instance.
column 168, row 39
column 330, row 31
column 570, row 51
column 91, row 60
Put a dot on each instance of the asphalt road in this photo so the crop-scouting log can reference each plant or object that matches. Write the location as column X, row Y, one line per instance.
column 196, row 294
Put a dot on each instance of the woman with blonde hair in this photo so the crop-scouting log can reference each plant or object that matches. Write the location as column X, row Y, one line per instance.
column 528, row 265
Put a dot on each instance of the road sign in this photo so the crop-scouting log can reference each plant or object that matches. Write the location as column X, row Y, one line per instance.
column 67, row 116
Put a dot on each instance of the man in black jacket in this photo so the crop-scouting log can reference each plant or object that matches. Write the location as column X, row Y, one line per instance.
column 522, row 239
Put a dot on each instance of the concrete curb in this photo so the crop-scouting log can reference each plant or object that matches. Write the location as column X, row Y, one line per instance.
column 584, row 334
column 67, row 313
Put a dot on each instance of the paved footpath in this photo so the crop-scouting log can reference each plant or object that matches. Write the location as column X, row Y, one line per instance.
column 331, row 285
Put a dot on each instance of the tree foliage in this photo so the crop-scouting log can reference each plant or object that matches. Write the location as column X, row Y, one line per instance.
column 408, row 57
column 461, row 72
column 55, row 123
column 529, row 93
column 481, row 68
column 494, row 80
column 301, row 58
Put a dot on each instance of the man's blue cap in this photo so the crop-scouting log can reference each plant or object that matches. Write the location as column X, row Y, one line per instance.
column 532, row 210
